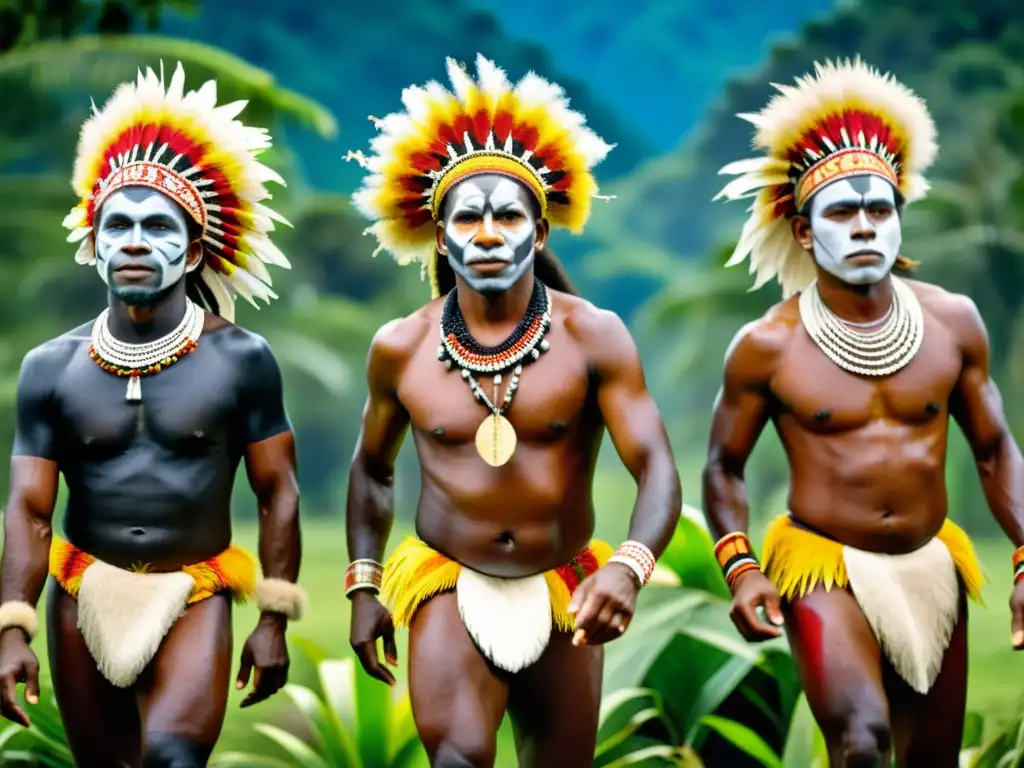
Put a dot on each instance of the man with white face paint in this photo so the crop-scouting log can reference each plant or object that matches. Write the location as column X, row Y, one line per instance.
column 860, row 373
column 507, row 599
column 147, row 411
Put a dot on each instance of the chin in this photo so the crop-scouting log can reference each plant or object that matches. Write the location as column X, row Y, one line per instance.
column 138, row 295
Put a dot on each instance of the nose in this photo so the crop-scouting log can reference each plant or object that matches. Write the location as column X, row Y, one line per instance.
column 134, row 244
column 862, row 228
column 486, row 235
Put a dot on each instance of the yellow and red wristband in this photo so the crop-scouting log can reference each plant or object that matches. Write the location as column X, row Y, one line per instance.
column 735, row 556
column 363, row 574
column 1018, row 565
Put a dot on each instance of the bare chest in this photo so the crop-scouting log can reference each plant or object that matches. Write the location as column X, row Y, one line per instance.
column 822, row 397
column 550, row 402
column 186, row 409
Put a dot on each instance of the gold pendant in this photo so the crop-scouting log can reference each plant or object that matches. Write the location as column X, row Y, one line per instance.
column 496, row 440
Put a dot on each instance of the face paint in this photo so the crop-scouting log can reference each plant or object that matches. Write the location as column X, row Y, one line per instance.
column 142, row 242
column 856, row 229
column 490, row 232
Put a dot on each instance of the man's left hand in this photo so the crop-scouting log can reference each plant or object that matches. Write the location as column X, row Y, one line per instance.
column 1017, row 616
column 603, row 604
column 267, row 651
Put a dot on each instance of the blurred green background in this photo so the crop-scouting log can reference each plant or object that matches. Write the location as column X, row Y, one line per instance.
column 663, row 82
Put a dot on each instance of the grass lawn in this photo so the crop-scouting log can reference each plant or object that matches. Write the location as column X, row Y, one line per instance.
column 995, row 669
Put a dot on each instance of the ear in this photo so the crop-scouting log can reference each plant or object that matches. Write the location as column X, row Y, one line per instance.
column 802, row 231
column 439, row 239
column 195, row 256
column 541, row 236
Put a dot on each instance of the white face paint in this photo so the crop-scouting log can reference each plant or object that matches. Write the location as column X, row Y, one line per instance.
column 142, row 242
column 490, row 232
column 856, row 229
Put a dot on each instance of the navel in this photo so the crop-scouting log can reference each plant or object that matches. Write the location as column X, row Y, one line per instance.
column 437, row 431
column 932, row 407
column 505, row 539
column 557, row 426
column 822, row 416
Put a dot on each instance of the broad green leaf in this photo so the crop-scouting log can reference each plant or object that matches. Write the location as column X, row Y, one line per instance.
column 744, row 738
column 299, row 751
column 661, row 753
column 716, row 690
column 974, row 730
column 623, row 713
column 805, row 745
column 314, row 711
column 373, row 716
column 691, row 555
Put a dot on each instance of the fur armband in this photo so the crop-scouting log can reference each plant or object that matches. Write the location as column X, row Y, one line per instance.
column 280, row 596
column 16, row 613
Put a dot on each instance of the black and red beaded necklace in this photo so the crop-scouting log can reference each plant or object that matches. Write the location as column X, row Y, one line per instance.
column 496, row 438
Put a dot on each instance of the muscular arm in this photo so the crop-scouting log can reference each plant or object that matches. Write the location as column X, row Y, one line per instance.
column 371, row 501
column 739, row 416
column 34, row 481
column 270, row 464
column 978, row 408
column 636, row 429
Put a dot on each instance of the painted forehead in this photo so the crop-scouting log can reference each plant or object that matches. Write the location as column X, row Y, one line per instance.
column 493, row 190
column 141, row 202
column 856, row 190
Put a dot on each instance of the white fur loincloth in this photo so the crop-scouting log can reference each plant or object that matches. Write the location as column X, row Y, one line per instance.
column 124, row 616
column 508, row 619
column 911, row 602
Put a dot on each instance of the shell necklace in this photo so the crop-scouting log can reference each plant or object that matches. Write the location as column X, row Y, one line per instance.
column 120, row 358
column 867, row 353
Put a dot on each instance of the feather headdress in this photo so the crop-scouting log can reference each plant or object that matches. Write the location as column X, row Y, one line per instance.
column 185, row 146
column 526, row 132
column 845, row 120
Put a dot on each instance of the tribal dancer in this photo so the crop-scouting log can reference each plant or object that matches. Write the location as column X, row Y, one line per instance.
column 507, row 599
column 859, row 370
column 139, row 608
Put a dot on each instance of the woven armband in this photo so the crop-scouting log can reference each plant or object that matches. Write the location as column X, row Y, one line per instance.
column 17, row 613
column 280, row 596
column 637, row 557
column 363, row 574
column 1018, row 566
column 735, row 557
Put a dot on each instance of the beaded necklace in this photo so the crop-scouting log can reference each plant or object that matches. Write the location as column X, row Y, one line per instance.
column 496, row 437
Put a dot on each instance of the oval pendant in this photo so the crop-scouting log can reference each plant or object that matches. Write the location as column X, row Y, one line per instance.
column 496, row 440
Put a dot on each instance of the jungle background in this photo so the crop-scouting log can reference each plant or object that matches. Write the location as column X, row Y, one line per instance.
column 663, row 81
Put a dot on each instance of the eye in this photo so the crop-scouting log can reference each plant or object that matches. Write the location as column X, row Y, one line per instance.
column 510, row 216
column 466, row 218
column 880, row 211
column 116, row 225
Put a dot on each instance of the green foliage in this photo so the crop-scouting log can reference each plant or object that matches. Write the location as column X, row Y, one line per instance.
column 351, row 722
column 45, row 744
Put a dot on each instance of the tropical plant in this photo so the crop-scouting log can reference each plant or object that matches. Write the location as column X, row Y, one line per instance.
column 351, row 722
column 44, row 744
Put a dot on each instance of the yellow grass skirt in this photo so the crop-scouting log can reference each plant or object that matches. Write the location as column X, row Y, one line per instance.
column 415, row 573
column 233, row 570
column 796, row 560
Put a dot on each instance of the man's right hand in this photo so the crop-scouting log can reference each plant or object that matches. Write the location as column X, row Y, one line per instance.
column 370, row 621
column 18, row 664
column 753, row 591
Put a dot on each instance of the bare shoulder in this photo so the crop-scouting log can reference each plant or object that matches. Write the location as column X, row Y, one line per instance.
column 240, row 343
column 590, row 325
column 955, row 311
column 52, row 356
column 758, row 345
column 396, row 342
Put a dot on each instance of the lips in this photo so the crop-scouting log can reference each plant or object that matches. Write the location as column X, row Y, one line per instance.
column 134, row 268
column 862, row 254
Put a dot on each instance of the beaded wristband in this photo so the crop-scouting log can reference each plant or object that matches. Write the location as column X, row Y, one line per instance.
column 363, row 574
column 638, row 557
column 1018, row 565
column 735, row 556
